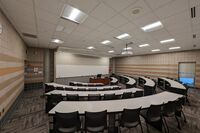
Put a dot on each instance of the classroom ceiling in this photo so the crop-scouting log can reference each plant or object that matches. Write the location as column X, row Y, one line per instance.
column 106, row 20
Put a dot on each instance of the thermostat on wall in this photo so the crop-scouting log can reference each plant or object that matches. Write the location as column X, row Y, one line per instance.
column 1, row 29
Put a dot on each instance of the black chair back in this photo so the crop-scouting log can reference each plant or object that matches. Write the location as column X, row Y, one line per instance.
column 93, row 89
column 96, row 121
column 138, row 94
column 49, row 88
column 81, row 89
column 169, row 108
column 94, row 97
column 72, row 97
column 67, row 122
column 109, row 96
column 127, row 95
column 154, row 113
column 60, row 88
column 130, row 117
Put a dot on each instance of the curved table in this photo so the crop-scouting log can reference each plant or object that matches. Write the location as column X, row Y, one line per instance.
column 131, row 82
column 113, row 81
column 85, row 84
column 85, row 93
column 172, row 85
column 86, row 87
column 143, row 81
column 114, row 106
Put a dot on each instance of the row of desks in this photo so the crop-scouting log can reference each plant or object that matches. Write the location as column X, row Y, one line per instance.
column 86, row 93
column 114, row 106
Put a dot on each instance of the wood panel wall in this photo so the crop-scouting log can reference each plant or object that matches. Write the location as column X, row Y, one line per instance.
column 12, row 55
column 157, row 65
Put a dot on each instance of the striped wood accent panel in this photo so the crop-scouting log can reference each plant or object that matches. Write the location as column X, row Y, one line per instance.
column 11, row 81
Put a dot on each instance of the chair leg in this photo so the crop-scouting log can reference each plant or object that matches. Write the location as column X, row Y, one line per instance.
column 141, row 127
column 179, row 127
column 184, row 116
column 167, row 128
column 147, row 127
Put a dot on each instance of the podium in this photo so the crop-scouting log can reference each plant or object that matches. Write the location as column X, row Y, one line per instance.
column 105, row 81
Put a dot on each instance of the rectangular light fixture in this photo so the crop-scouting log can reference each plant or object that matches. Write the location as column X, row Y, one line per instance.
column 155, row 50
column 73, row 14
column 57, row 41
column 171, row 48
column 127, row 53
column 152, row 27
column 143, row 45
column 106, row 42
column 123, row 36
column 127, row 48
column 90, row 47
column 111, row 51
column 167, row 41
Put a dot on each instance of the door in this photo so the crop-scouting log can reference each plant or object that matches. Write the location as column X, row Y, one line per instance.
column 187, row 73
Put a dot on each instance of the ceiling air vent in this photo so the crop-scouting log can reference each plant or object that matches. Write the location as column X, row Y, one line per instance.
column 193, row 12
column 29, row 35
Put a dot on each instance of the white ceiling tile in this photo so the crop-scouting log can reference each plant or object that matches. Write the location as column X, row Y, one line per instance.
column 103, row 12
column 46, row 16
column 127, row 27
column 92, row 22
column 140, row 4
column 117, row 21
column 52, row 6
column 119, row 5
column 172, row 8
column 68, row 25
column 105, row 28
column 84, row 5
column 154, row 4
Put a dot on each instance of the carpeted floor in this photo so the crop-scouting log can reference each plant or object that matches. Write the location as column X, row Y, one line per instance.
column 30, row 117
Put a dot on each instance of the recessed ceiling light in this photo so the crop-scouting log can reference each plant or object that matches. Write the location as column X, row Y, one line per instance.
column 111, row 51
column 57, row 41
column 123, row 36
column 155, row 50
column 127, row 48
column 171, row 48
column 127, row 53
column 168, row 40
column 73, row 14
column 59, row 28
column 152, row 27
column 106, row 42
column 90, row 47
column 144, row 45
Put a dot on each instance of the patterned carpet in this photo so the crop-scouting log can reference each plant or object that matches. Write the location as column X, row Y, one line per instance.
column 30, row 117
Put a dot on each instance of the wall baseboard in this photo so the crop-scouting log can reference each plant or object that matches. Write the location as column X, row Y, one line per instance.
column 11, row 110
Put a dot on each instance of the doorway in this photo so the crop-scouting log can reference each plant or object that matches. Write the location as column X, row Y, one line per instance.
column 187, row 72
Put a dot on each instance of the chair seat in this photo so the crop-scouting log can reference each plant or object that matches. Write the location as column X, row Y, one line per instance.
column 96, row 129
column 67, row 130
column 130, row 125
column 143, row 113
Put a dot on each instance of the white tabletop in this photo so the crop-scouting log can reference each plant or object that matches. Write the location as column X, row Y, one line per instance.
column 174, row 83
column 86, row 83
column 113, row 80
column 86, row 87
column 131, row 81
column 149, row 82
column 114, row 105
column 85, row 93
